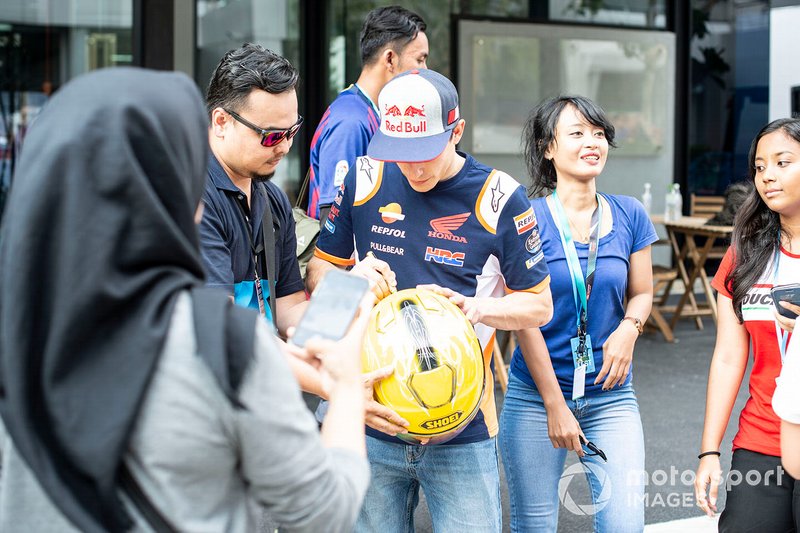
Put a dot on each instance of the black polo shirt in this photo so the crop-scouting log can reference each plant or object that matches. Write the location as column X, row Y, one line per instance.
column 225, row 242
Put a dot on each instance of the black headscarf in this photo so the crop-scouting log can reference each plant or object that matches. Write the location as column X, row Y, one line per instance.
column 97, row 241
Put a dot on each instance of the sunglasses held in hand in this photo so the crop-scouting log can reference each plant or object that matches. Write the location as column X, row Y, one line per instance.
column 593, row 448
column 269, row 138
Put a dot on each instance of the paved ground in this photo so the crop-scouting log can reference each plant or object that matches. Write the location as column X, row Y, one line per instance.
column 670, row 381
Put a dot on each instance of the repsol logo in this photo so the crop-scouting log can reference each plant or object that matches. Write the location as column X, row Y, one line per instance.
column 392, row 232
column 755, row 298
column 446, row 236
column 444, row 257
column 438, row 423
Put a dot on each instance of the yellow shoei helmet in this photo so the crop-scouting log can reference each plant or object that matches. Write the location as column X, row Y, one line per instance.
column 438, row 378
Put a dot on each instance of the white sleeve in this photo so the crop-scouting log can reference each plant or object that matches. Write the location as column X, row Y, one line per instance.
column 786, row 400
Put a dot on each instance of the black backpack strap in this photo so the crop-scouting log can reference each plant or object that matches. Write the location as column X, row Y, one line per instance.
column 225, row 336
column 140, row 500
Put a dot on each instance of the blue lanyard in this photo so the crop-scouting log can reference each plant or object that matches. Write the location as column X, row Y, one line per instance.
column 581, row 287
column 365, row 95
column 783, row 336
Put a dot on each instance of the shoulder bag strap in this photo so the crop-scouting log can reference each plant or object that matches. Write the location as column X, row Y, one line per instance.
column 148, row 511
column 268, row 235
column 302, row 200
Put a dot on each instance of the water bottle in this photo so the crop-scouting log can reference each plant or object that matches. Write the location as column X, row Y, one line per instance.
column 647, row 198
column 668, row 202
column 677, row 202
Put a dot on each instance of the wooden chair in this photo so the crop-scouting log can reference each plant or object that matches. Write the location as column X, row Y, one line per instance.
column 705, row 206
column 663, row 278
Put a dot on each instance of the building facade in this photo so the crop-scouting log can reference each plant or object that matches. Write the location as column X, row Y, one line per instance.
column 687, row 82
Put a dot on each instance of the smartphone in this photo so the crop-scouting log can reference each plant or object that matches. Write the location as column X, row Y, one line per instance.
column 786, row 293
column 332, row 307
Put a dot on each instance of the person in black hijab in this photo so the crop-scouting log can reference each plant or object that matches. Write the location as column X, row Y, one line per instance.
column 100, row 369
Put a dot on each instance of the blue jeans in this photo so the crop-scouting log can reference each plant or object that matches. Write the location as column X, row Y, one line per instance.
column 535, row 470
column 461, row 484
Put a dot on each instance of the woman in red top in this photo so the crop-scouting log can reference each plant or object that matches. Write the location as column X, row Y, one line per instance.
column 765, row 251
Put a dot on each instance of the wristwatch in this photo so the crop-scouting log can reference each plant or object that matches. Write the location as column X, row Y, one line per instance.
column 636, row 322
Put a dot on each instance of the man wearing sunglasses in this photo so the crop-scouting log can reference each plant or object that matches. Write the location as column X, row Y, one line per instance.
column 252, row 107
column 393, row 40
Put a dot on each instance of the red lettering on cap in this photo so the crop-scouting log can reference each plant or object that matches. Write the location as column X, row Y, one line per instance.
column 451, row 117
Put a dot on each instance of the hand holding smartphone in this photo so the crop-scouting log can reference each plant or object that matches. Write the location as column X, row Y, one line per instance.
column 332, row 308
column 786, row 293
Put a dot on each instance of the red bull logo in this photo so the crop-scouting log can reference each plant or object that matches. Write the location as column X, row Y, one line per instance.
column 393, row 111
column 406, row 127
column 412, row 120
column 412, row 111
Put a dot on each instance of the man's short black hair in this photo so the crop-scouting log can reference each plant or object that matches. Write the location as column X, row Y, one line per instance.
column 388, row 24
column 244, row 69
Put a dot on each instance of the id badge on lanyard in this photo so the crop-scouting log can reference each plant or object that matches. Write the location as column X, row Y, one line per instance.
column 581, row 343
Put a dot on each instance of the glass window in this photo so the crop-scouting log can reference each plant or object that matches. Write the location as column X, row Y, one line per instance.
column 729, row 90
column 224, row 25
column 505, row 69
column 642, row 13
column 347, row 16
column 42, row 46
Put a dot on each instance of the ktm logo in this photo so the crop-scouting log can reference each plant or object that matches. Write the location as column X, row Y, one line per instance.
column 393, row 111
column 444, row 227
column 412, row 111
column 442, row 422
column 444, row 257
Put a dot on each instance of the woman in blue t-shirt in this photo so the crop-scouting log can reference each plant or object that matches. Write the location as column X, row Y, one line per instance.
column 570, row 383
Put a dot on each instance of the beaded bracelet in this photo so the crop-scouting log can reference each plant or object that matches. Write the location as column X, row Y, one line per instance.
column 714, row 452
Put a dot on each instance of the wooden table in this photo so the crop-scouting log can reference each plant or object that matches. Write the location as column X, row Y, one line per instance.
column 690, row 262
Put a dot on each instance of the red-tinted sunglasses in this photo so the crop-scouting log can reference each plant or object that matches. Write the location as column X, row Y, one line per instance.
column 270, row 137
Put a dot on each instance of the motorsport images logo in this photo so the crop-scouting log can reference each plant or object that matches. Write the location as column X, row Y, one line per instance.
column 582, row 470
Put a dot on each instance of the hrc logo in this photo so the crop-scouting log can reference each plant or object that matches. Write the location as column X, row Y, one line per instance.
column 444, row 257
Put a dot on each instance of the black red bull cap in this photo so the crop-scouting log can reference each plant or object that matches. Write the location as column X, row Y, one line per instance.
column 419, row 109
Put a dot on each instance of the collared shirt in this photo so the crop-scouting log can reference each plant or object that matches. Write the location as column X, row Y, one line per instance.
column 225, row 241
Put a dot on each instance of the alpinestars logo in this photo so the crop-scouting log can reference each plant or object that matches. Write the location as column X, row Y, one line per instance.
column 444, row 227
column 497, row 195
column 366, row 168
column 444, row 257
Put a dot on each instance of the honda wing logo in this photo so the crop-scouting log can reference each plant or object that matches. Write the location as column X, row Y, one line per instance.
column 444, row 227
